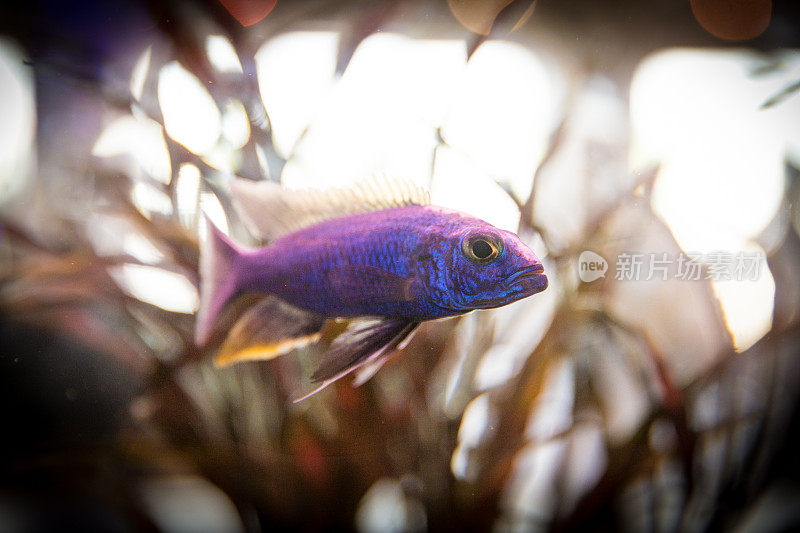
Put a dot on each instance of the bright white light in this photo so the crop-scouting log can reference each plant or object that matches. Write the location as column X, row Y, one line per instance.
column 415, row 76
column 222, row 54
column 149, row 200
column 112, row 235
column 747, row 304
column 684, row 97
column 623, row 397
column 190, row 115
column 460, row 463
column 381, row 117
column 142, row 248
column 786, row 113
column 209, row 204
column 386, row 508
column 459, row 185
column 477, row 421
column 500, row 362
column 187, row 503
column 139, row 74
column 722, row 178
column 531, row 488
column 585, row 463
column 588, row 164
column 235, row 124
column 140, row 138
column 477, row 425
column 295, row 72
column 162, row 288
column 552, row 413
column 503, row 111
column 187, row 193
column 698, row 113
column 455, row 393
column 18, row 122
column 713, row 194
column 223, row 157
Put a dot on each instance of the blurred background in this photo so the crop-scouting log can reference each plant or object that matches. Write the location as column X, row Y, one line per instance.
column 640, row 138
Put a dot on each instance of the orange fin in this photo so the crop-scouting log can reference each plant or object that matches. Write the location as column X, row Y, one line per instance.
column 268, row 329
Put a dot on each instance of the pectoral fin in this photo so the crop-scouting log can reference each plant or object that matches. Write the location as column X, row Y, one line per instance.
column 364, row 342
column 268, row 329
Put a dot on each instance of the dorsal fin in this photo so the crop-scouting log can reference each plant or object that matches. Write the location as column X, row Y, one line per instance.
column 270, row 211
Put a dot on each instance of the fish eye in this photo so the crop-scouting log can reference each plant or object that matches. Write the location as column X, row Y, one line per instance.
column 481, row 249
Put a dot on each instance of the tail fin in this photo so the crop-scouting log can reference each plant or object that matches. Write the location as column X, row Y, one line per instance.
column 218, row 279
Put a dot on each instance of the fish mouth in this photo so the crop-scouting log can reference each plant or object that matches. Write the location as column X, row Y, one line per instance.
column 528, row 280
column 521, row 284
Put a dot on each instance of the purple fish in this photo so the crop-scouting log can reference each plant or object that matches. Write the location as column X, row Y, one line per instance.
column 377, row 252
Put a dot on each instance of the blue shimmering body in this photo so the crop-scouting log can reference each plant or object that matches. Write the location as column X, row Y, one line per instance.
column 298, row 267
column 404, row 262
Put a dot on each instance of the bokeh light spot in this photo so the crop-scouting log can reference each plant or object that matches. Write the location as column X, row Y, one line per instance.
column 222, row 54
column 747, row 304
column 156, row 286
column 722, row 178
column 295, row 73
column 212, row 208
column 235, row 124
column 190, row 115
column 734, row 20
column 18, row 122
column 479, row 15
column 459, row 185
column 140, row 138
column 149, row 200
column 248, row 12
column 381, row 117
column 139, row 73
column 503, row 111
column 187, row 194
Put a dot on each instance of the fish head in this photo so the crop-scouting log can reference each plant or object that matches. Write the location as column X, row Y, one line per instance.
column 478, row 266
